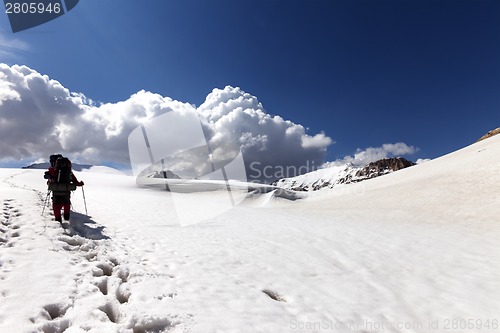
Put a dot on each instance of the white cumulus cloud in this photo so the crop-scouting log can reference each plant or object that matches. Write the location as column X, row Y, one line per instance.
column 39, row 116
column 422, row 160
column 234, row 118
column 372, row 154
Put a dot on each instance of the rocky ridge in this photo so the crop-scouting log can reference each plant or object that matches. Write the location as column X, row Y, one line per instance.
column 489, row 134
column 338, row 175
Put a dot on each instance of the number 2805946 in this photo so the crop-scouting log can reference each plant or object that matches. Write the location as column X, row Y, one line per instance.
column 32, row 8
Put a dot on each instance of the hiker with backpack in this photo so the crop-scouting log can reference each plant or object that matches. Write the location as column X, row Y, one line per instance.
column 61, row 182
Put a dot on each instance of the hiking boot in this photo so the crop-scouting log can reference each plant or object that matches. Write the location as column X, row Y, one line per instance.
column 58, row 219
column 66, row 217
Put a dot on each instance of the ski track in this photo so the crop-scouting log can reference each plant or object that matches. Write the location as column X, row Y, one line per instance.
column 101, row 278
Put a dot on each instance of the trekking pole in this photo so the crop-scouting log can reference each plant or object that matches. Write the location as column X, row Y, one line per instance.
column 45, row 202
column 85, row 202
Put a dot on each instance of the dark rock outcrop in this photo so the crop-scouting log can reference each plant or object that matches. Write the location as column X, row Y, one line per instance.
column 381, row 167
column 489, row 134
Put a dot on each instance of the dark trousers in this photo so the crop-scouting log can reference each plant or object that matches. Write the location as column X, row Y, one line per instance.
column 61, row 202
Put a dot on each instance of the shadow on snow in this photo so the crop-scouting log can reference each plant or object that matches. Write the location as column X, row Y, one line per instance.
column 85, row 227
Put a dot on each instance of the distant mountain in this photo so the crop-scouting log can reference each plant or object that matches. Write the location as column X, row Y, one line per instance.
column 490, row 134
column 46, row 165
column 79, row 168
column 344, row 174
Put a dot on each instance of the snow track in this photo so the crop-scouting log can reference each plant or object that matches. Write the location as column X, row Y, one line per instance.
column 97, row 289
column 9, row 229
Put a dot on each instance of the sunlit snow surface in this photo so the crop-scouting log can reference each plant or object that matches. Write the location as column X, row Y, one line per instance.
column 412, row 251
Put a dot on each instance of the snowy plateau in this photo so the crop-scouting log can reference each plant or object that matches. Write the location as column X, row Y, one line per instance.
column 416, row 250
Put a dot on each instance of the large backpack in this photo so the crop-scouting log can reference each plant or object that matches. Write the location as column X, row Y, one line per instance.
column 63, row 171
column 53, row 159
column 62, row 180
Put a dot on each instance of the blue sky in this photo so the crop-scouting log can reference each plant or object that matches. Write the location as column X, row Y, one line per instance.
column 367, row 73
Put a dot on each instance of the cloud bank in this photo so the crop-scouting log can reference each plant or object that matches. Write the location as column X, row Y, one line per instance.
column 39, row 117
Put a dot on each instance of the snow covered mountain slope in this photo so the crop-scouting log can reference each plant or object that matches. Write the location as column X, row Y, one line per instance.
column 317, row 179
column 332, row 176
column 413, row 251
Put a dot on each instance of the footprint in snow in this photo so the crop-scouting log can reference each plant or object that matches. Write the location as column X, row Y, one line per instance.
column 55, row 311
column 51, row 318
column 9, row 211
column 104, row 269
column 111, row 311
column 122, row 293
column 8, row 229
column 102, row 284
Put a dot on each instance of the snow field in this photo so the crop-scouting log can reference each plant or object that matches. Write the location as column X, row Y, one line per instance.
column 406, row 252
